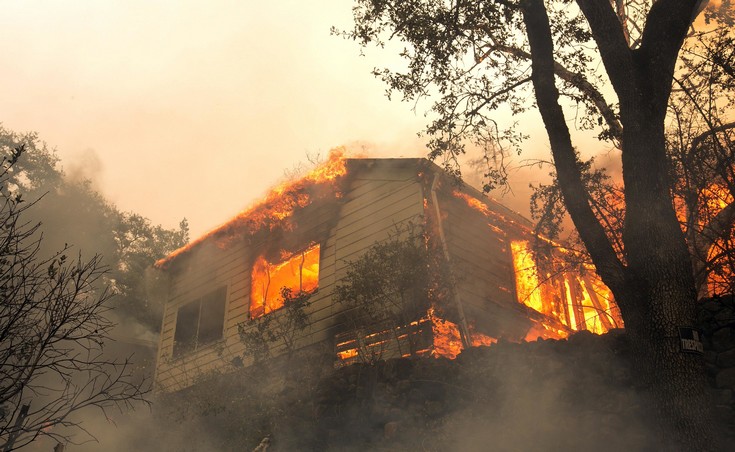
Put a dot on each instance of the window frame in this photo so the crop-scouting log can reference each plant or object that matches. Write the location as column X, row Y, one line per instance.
column 217, row 297
column 300, row 251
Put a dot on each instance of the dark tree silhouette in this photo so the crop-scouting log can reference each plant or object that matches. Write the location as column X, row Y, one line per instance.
column 53, row 329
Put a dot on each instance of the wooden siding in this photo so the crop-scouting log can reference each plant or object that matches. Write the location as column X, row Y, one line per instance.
column 481, row 259
column 207, row 268
column 379, row 197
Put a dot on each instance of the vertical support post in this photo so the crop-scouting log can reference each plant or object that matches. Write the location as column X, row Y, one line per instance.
column 576, row 301
column 602, row 313
column 569, row 314
column 464, row 329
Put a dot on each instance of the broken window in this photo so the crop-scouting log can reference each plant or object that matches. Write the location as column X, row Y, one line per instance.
column 298, row 272
column 200, row 322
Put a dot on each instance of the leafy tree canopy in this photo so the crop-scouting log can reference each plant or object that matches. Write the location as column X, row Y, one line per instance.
column 73, row 212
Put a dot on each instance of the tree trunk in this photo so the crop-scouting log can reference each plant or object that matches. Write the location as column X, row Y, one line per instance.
column 674, row 381
column 660, row 293
column 655, row 288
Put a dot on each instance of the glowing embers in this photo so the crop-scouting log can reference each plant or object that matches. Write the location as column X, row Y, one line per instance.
column 569, row 301
column 428, row 336
column 447, row 340
column 719, row 261
column 383, row 342
column 474, row 203
column 298, row 272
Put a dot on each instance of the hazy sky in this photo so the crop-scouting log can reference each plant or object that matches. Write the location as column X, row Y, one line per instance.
column 193, row 108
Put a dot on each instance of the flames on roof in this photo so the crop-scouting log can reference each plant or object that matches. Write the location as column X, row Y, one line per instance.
column 275, row 209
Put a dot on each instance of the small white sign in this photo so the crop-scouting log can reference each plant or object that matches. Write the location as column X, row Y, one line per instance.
column 690, row 340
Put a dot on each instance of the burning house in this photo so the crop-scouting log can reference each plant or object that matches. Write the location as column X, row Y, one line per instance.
column 303, row 237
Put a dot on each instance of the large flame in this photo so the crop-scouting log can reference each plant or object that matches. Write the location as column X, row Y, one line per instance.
column 447, row 339
column 574, row 300
column 278, row 205
column 528, row 287
column 569, row 301
column 298, row 273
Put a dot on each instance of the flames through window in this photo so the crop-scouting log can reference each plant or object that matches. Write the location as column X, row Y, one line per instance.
column 577, row 300
column 296, row 271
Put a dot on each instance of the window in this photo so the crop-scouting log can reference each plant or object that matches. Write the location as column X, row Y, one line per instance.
column 298, row 272
column 200, row 322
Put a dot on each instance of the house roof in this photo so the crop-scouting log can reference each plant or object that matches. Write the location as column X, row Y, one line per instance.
column 280, row 202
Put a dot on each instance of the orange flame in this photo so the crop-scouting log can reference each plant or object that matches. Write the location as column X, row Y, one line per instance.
column 496, row 213
column 713, row 199
column 347, row 354
column 528, row 287
column 447, row 341
column 299, row 273
column 481, row 340
column 719, row 278
column 278, row 205
column 568, row 300
column 577, row 301
column 545, row 331
column 473, row 202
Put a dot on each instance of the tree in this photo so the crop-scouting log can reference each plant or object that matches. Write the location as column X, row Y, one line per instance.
column 139, row 244
column 701, row 151
column 74, row 212
column 701, row 146
column 388, row 290
column 279, row 329
column 474, row 56
column 54, row 325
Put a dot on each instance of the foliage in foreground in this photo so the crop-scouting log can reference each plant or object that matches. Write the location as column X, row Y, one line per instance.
column 54, row 324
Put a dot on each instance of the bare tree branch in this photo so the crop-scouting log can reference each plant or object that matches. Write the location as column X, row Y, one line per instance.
column 53, row 330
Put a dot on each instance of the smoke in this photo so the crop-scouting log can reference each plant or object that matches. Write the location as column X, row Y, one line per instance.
column 137, row 430
column 545, row 395
column 551, row 396
column 85, row 166
column 75, row 217
column 536, row 396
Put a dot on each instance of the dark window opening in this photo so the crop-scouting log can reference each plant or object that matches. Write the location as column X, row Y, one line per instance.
column 200, row 322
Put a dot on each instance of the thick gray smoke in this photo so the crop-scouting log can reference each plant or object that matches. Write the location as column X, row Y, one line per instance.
column 546, row 396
